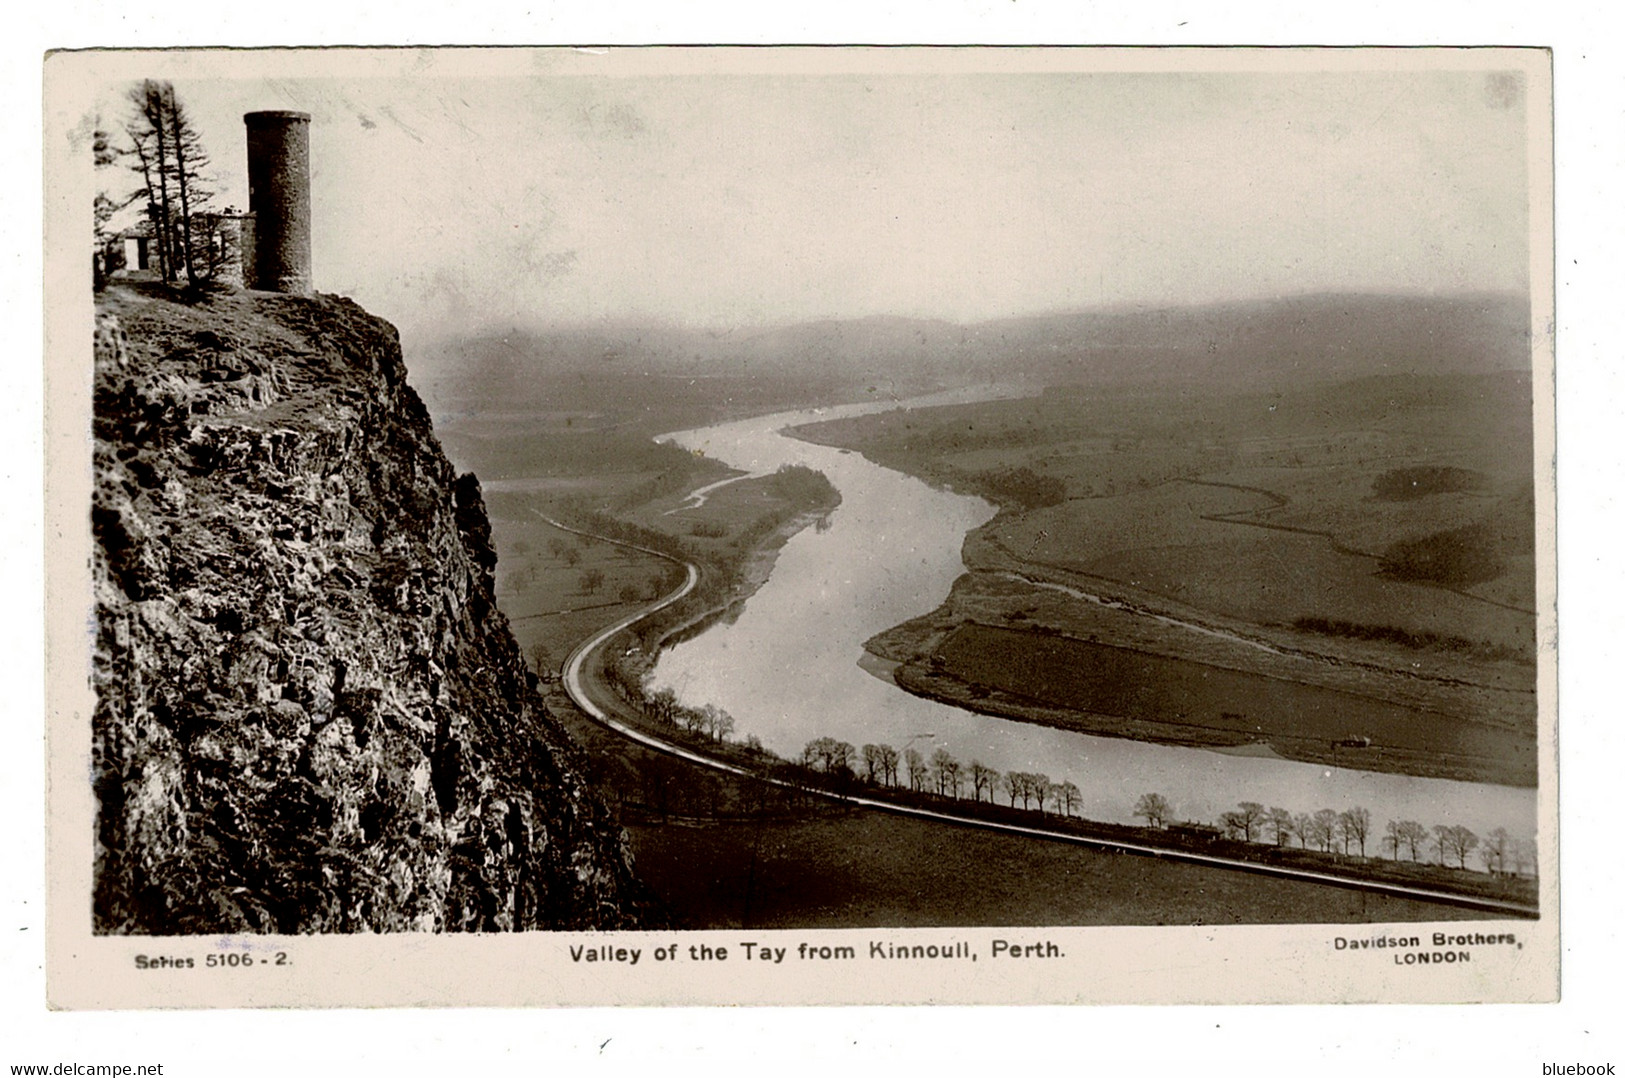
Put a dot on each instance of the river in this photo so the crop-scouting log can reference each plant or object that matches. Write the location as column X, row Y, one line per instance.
column 787, row 668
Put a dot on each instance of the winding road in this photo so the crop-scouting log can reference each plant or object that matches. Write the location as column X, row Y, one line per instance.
column 588, row 690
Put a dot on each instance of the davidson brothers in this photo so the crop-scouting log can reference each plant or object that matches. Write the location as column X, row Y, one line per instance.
column 1410, row 953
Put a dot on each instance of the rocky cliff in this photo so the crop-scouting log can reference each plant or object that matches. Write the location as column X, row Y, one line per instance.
column 311, row 716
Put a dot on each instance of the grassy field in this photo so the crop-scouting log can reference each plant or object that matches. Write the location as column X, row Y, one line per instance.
column 866, row 869
column 1135, row 467
column 672, row 791
column 1083, row 675
column 1156, row 542
column 546, row 586
column 558, row 586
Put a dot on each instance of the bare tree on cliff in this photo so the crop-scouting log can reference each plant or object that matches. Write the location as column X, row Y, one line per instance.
column 190, row 160
column 106, row 206
column 150, row 163
column 170, row 159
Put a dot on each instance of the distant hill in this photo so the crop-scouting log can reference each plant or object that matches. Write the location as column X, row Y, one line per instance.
column 1255, row 342
column 1310, row 336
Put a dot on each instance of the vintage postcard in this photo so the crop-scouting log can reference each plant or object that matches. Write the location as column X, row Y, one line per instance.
column 664, row 526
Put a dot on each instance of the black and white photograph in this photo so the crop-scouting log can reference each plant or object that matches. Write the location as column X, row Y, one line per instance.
column 820, row 525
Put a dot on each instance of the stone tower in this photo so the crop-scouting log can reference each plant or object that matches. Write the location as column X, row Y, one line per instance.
column 279, row 200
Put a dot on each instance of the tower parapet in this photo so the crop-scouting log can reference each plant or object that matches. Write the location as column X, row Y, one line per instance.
column 278, row 257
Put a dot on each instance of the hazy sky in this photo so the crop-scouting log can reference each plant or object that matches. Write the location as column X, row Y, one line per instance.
column 452, row 201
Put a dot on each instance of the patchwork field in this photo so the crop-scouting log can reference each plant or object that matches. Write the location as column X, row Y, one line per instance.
column 1169, row 541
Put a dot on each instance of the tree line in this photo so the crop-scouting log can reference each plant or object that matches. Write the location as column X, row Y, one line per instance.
column 1331, row 831
column 1020, row 488
column 1346, row 832
column 1417, row 638
column 941, row 773
column 629, row 676
column 839, row 763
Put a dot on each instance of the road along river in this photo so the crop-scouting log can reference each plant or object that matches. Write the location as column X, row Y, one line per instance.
column 787, row 668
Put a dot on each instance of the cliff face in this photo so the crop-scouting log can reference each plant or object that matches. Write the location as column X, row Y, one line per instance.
column 311, row 716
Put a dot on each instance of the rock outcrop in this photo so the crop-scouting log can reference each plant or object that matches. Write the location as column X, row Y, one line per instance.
column 311, row 716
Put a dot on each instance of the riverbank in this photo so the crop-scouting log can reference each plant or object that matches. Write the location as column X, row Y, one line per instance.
column 722, row 585
column 785, row 667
